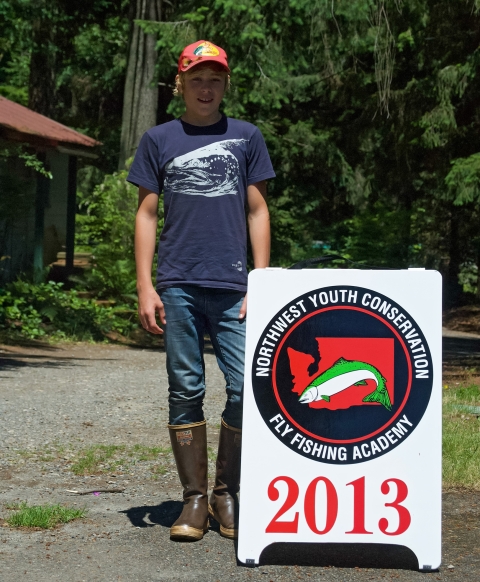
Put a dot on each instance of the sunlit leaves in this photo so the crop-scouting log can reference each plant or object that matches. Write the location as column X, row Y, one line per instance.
column 463, row 180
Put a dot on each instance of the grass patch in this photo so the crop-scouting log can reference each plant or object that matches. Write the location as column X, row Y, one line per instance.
column 212, row 454
column 25, row 454
column 461, row 438
column 158, row 470
column 42, row 516
column 106, row 458
column 143, row 453
column 97, row 459
column 52, row 453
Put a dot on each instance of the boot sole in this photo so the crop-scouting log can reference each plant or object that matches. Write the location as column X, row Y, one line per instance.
column 226, row 532
column 187, row 533
column 231, row 534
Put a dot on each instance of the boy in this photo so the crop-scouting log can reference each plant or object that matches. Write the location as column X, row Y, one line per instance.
column 210, row 169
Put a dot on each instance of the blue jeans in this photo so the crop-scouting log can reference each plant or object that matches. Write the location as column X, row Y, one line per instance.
column 191, row 312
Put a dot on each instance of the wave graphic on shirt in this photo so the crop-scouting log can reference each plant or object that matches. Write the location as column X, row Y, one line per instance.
column 208, row 171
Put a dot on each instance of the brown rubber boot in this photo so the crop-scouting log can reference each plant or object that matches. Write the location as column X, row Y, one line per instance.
column 223, row 506
column 189, row 444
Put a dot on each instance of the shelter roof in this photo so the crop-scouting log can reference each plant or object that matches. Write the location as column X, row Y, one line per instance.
column 22, row 124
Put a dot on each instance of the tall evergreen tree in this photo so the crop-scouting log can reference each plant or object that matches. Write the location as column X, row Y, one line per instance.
column 140, row 96
column 43, row 70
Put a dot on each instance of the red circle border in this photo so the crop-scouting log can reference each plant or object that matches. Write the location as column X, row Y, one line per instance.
column 280, row 403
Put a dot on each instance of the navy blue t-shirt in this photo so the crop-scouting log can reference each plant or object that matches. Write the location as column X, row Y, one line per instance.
column 204, row 173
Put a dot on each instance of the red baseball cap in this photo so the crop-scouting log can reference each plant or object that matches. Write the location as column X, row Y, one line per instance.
column 200, row 52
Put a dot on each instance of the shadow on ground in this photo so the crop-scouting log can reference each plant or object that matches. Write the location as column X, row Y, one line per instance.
column 164, row 514
column 11, row 361
column 461, row 353
column 335, row 555
column 387, row 556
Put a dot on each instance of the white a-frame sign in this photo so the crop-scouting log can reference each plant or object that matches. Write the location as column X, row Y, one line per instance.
column 342, row 413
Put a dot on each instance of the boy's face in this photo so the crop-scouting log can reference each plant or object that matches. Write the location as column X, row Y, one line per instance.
column 203, row 91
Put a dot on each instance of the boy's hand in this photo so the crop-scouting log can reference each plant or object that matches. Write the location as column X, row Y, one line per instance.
column 243, row 309
column 150, row 305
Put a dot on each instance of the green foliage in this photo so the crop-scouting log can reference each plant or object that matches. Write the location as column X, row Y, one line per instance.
column 42, row 516
column 376, row 237
column 83, row 53
column 463, row 180
column 369, row 109
column 46, row 310
column 29, row 159
column 105, row 227
column 15, row 51
column 108, row 212
column 369, row 112
column 468, row 277
column 305, row 73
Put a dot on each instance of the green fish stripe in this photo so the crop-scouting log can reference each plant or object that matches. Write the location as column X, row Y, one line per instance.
column 342, row 366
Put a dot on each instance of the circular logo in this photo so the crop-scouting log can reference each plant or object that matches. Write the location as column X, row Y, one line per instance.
column 342, row 375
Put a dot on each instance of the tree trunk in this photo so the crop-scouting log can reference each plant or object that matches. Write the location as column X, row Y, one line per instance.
column 141, row 93
column 41, row 93
column 477, row 294
column 453, row 289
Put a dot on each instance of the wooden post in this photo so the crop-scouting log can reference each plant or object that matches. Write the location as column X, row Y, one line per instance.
column 41, row 199
column 71, row 209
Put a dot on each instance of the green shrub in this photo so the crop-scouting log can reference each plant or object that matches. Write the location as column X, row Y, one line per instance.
column 36, row 311
column 105, row 227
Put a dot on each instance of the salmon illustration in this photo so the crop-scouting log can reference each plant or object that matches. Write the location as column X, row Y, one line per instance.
column 342, row 375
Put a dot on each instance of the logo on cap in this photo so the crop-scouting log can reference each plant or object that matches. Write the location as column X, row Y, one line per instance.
column 206, row 49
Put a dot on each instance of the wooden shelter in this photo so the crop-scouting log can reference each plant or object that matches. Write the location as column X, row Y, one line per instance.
column 38, row 213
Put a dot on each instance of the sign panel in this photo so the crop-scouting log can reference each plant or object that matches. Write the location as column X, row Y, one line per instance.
column 342, row 412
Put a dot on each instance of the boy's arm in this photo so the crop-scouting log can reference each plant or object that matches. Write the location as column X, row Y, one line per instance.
column 259, row 229
column 149, row 303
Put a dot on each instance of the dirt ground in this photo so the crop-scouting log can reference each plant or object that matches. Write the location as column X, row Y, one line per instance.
column 463, row 319
column 58, row 400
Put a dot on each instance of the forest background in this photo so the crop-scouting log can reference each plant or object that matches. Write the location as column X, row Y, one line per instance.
column 370, row 110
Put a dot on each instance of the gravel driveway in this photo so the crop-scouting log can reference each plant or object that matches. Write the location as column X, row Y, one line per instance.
column 57, row 402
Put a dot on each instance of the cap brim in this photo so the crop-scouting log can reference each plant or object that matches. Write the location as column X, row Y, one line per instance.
column 201, row 60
